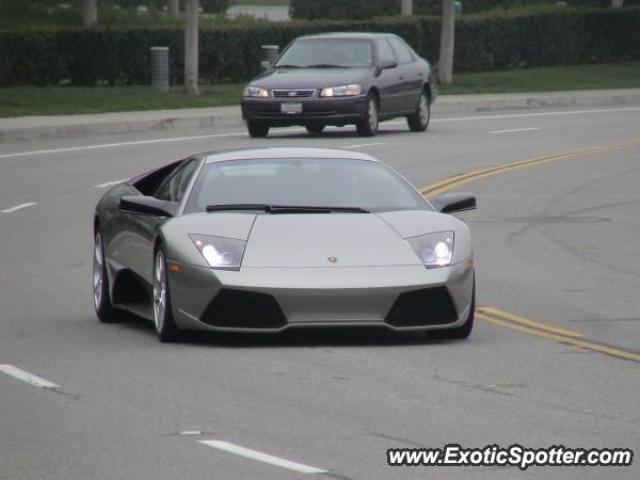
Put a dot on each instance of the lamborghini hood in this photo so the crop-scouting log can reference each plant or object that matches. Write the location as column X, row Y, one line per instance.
column 325, row 240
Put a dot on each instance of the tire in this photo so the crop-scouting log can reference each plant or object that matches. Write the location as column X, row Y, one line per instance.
column 419, row 120
column 257, row 129
column 101, row 299
column 462, row 332
column 368, row 126
column 315, row 128
column 166, row 327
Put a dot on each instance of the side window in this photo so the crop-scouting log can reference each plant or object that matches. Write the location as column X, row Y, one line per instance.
column 384, row 52
column 402, row 52
column 173, row 188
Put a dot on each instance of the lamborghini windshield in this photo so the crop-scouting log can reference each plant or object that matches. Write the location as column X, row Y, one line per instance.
column 321, row 183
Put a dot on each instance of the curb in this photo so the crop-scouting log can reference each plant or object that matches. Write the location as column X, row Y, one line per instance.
column 455, row 104
column 47, row 127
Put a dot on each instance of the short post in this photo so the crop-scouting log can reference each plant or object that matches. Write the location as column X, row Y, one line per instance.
column 160, row 68
column 269, row 56
column 406, row 7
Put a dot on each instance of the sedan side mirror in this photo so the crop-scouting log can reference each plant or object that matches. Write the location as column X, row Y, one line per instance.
column 147, row 205
column 387, row 64
column 454, row 202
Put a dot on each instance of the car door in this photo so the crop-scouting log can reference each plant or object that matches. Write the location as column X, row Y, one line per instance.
column 410, row 77
column 143, row 228
column 388, row 79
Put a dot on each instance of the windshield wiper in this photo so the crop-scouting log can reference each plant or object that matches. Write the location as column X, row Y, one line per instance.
column 239, row 206
column 326, row 65
column 314, row 209
column 280, row 209
column 288, row 66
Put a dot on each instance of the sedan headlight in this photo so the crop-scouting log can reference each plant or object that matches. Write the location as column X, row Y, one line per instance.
column 220, row 252
column 342, row 91
column 434, row 249
column 252, row 91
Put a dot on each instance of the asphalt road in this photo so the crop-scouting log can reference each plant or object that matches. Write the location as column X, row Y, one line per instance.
column 556, row 245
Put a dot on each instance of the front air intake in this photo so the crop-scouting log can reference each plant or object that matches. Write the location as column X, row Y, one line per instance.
column 428, row 306
column 243, row 309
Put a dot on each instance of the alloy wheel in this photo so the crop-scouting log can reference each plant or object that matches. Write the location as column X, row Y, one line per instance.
column 98, row 272
column 159, row 292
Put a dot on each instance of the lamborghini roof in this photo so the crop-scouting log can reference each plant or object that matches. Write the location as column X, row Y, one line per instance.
column 286, row 152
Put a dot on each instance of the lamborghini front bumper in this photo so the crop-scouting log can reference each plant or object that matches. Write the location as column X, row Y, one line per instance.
column 275, row 299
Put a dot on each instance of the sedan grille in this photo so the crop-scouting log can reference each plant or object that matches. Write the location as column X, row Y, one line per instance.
column 243, row 309
column 293, row 93
column 428, row 306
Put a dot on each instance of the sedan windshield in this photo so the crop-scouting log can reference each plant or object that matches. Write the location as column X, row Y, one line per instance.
column 327, row 53
column 350, row 185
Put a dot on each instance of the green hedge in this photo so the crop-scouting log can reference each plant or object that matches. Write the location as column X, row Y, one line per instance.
column 363, row 9
column 487, row 42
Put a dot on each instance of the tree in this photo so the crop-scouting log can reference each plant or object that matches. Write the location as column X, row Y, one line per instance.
column 90, row 12
column 173, row 8
column 447, row 42
column 191, row 47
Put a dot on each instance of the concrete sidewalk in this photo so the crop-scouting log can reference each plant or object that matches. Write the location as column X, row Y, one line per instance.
column 57, row 126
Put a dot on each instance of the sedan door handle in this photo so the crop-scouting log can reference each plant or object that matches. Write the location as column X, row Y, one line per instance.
column 401, row 78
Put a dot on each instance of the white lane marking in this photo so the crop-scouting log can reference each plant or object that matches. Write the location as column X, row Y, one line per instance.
column 27, row 377
column 241, row 134
column 536, row 114
column 514, row 130
column 362, row 145
column 121, row 144
column 110, row 184
column 261, row 457
column 22, row 206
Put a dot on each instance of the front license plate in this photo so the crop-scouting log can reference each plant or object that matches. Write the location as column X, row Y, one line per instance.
column 291, row 108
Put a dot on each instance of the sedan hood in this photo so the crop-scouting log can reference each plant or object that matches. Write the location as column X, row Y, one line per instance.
column 325, row 240
column 317, row 78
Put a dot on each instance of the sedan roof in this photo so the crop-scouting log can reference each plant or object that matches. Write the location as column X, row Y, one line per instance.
column 286, row 152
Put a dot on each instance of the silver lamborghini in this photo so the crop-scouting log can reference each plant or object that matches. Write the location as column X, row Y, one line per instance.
column 272, row 239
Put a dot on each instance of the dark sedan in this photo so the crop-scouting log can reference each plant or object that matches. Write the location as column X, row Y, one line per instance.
column 341, row 79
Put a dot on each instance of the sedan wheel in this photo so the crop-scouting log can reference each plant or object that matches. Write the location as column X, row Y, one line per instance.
column 368, row 126
column 419, row 120
column 162, row 314
column 101, row 300
column 314, row 128
column 257, row 129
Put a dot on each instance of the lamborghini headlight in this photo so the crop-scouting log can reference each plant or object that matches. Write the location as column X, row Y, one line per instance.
column 220, row 252
column 434, row 249
column 342, row 91
column 252, row 91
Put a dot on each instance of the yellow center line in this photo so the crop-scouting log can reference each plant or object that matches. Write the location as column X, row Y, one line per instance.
column 447, row 184
column 515, row 322
column 583, row 344
column 501, row 314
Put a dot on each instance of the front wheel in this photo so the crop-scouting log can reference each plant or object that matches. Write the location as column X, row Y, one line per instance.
column 314, row 128
column 162, row 313
column 257, row 129
column 464, row 330
column 101, row 300
column 419, row 120
column 368, row 125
